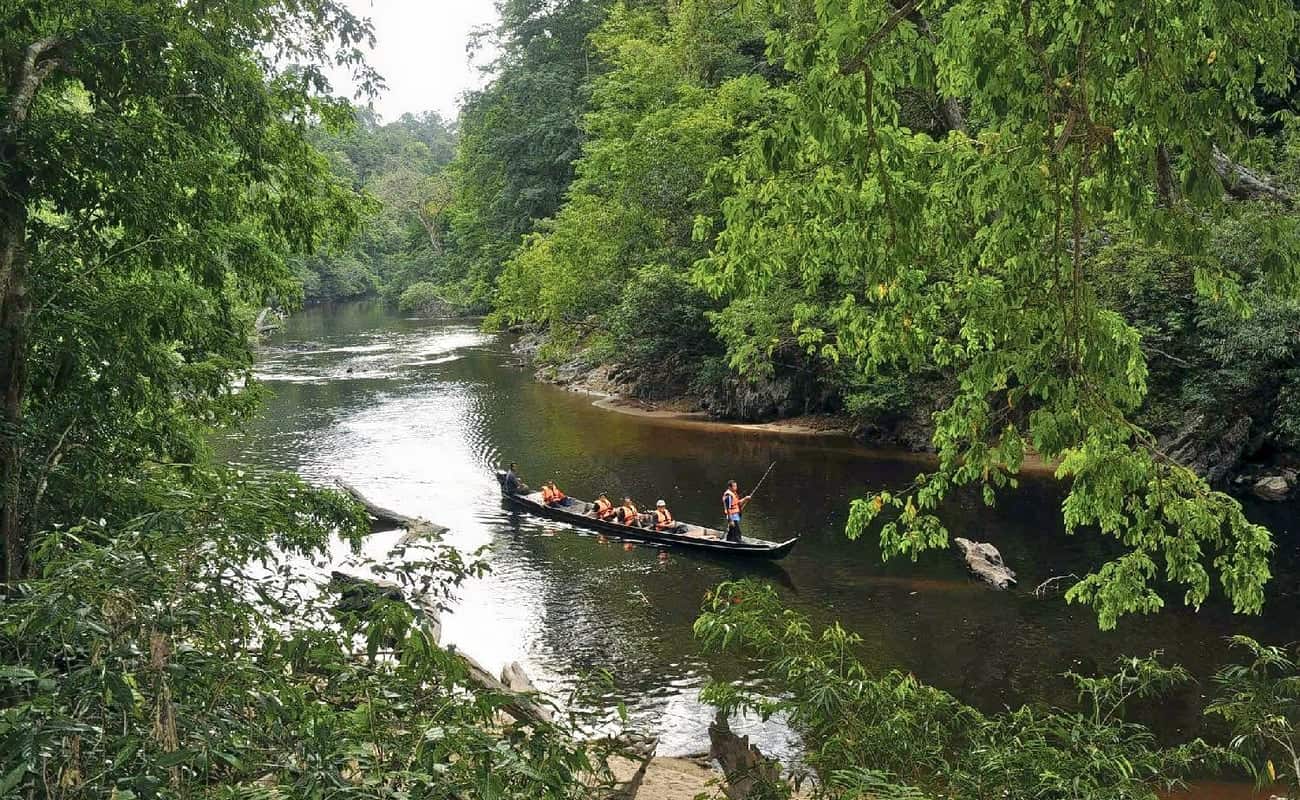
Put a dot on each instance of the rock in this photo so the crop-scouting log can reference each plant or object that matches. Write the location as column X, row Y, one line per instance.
column 1272, row 488
column 1209, row 447
column 985, row 562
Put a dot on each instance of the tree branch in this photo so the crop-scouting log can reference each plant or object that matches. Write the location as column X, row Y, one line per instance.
column 56, row 455
column 900, row 13
column 31, row 75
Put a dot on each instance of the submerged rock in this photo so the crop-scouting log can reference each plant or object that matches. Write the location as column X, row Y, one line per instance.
column 1272, row 487
column 985, row 562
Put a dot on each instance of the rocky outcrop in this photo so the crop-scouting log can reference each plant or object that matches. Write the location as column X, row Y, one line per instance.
column 781, row 396
column 985, row 562
column 1274, row 488
column 1211, row 447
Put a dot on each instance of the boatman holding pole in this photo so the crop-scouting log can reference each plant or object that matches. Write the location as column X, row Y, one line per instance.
column 732, row 505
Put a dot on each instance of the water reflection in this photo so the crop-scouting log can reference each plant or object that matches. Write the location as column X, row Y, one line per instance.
column 418, row 413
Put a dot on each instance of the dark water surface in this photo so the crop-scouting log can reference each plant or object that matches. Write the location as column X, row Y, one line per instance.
column 418, row 413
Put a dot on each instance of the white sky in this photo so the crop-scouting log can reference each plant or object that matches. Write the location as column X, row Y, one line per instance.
column 420, row 52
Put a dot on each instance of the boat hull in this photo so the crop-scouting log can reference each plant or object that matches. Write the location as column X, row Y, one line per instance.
column 701, row 538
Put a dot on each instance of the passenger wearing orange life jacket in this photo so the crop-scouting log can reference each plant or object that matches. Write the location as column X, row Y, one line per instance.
column 628, row 514
column 603, row 508
column 552, row 496
column 664, row 517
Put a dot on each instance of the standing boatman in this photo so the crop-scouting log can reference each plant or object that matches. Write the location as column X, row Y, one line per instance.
column 732, row 506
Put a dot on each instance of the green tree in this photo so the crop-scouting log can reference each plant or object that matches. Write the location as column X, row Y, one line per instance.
column 155, row 152
column 677, row 93
column 401, row 167
column 187, row 651
column 519, row 136
column 963, row 246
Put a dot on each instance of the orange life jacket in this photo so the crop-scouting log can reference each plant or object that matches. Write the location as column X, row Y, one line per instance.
column 730, row 503
column 557, row 496
column 604, row 508
column 629, row 513
column 548, row 496
column 663, row 517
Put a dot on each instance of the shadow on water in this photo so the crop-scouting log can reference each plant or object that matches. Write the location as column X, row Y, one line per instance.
column 418, row 413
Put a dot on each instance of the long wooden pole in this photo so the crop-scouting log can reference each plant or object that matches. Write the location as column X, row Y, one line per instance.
column 760, row 480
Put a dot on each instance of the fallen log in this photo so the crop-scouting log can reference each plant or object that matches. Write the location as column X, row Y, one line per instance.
column 1244, row 183
column 520, row 706
column 385, row 519
column 748, row 772
column 359, row 594
column 514, row 677
column 262, row 326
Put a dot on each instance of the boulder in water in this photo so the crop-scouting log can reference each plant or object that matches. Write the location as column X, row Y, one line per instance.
column 1272, row 487
column 985, row 562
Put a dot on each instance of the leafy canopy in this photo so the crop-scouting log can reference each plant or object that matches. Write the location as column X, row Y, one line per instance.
column 967, row 249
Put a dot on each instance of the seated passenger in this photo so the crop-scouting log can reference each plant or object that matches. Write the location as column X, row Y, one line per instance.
column 603, row 508
column 664, row 518
column 513, row 484
column 628, row 514
column 552, row 496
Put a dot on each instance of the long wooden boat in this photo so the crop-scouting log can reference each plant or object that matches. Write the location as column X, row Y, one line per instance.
column 577, row 512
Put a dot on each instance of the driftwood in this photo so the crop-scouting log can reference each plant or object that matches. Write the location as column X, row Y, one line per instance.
column 744, row 766
column 985, row 562
column 514, row 677
column 520, row 706
column 384, row 519
column 1246, row 184
column 263, row 325
column 1050, row 584
column 357, row 593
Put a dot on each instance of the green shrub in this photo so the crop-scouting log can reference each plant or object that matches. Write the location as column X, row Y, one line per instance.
column 891, row 736
column 421, row 298
column 188, row 653
column 661, row 327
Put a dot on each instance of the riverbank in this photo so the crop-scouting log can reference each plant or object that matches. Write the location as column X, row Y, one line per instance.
column 908, row 437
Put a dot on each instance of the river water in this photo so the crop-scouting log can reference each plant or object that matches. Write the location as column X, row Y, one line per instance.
column 418, row 413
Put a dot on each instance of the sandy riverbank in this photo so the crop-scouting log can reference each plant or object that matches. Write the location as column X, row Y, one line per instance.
column 676, row 778
column 808, row 425
column 822, row 425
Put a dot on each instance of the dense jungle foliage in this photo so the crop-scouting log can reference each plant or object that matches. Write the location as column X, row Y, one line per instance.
column 995, row 230
column 402, row 168
column 1067, row 226
column 165, row 171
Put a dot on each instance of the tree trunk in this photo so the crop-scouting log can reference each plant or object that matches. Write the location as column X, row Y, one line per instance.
column 1166, row 186
column 14, row 310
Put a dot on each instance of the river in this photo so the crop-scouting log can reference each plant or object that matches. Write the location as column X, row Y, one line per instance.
column 417, row 413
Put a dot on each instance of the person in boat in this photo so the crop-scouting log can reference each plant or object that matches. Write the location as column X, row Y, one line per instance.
column 603, row 508
column 664, row 518
column 628, row 514
column 732, row 506
column 513, row 484
column 552, row 496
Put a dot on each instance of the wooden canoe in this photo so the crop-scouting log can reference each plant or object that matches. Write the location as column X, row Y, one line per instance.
column 698, row 537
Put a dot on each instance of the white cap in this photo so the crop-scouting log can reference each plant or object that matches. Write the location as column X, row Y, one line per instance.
column 661, row 503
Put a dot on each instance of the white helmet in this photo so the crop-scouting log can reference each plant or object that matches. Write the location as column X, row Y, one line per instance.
column 661, row 503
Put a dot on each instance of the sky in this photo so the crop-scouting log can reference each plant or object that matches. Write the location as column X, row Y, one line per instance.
column 420, row 51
